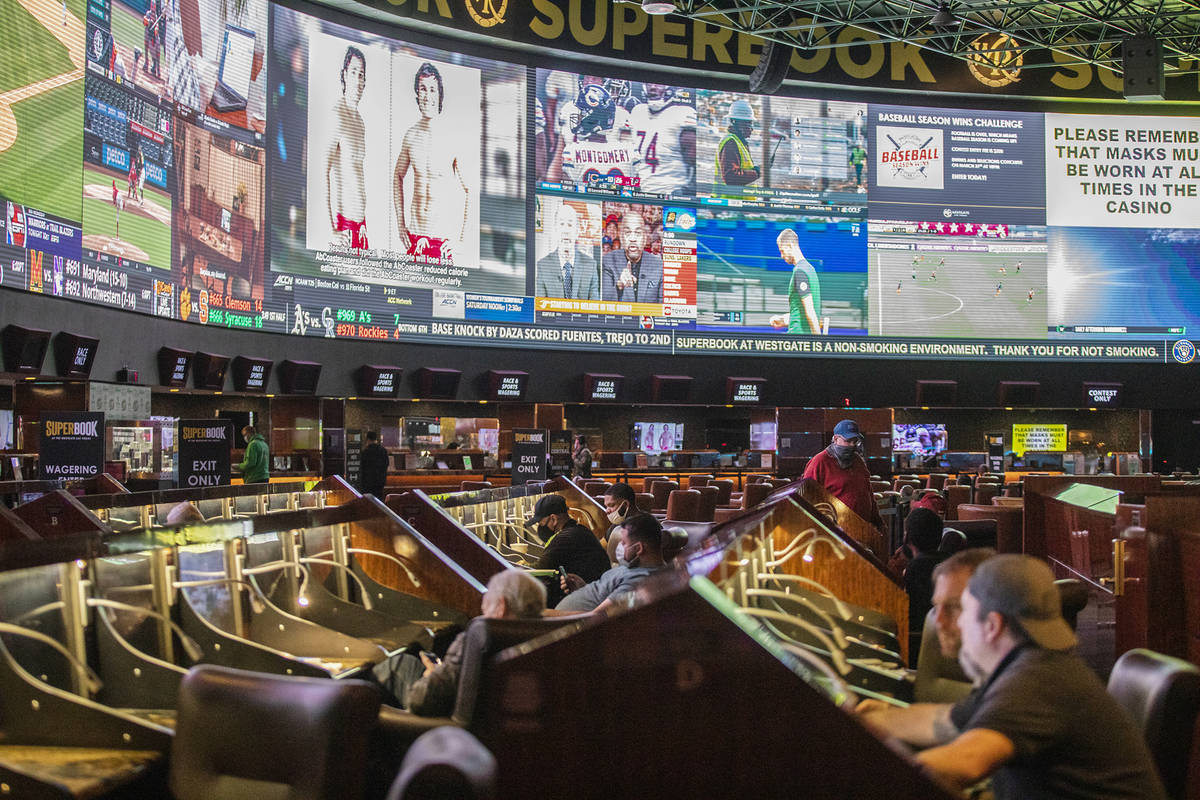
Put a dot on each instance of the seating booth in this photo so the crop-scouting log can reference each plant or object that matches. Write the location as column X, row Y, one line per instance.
column 693, row 662
column 94, row 644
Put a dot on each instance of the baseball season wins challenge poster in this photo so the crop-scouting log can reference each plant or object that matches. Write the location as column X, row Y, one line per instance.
column 423, row 194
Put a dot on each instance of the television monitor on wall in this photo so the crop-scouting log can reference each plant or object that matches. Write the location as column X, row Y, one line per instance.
column 921, row 438
column 208, row 371
column 24, row 348
column 657, row 437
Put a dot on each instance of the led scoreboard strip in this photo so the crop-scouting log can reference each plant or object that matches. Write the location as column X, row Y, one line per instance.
column 420, row 194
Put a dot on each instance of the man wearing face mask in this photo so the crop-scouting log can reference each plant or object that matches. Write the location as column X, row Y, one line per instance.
column 639, row 554
column 619, row 502
column 843, row 472
column 568, row 545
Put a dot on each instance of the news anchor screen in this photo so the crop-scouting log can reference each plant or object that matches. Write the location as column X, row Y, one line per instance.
column 268, row 168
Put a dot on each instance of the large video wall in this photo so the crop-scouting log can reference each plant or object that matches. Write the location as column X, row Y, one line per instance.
column 238, row 164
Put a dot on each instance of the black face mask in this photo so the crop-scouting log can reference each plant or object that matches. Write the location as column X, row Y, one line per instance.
column 844, row 453
column 544, row 533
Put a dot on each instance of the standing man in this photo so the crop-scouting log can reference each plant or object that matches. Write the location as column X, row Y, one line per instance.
column 568, row 544
column 581, row 458
column 843, row 472
column 439, row 210
column 735, row 165
column 345, row 178
column 373, row 466
column 1039, row 721
column 567, row 271
column 858, row 160
column 255, row 466
column 804, row 289
column 632, row 275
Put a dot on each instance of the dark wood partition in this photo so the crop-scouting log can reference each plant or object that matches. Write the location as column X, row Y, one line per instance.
column 444, row 532
column 859, row 577
column 857, row 528
column 680, row 697
column 60, row 514
column 1044, row 536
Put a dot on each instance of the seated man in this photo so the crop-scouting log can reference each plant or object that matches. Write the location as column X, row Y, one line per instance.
column 939, row 676
column 639, row 555
column 620, row 502
column 1039, row 721
column 568, row 544
column 511, row 594
column 922, row 535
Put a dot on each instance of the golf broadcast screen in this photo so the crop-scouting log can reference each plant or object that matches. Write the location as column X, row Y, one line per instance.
column 250, row 166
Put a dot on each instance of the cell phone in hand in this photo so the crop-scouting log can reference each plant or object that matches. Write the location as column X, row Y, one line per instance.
column 562, row 576
column 431, row 656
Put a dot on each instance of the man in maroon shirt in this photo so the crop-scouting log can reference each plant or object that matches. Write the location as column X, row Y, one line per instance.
column 842, row 471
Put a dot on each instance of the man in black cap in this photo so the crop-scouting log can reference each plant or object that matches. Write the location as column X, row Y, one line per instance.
column 568, row 545
column 841, row 470
column 1039, row 720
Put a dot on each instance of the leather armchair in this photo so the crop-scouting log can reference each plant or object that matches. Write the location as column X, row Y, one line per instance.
column 1162, row 694
column 250, row 734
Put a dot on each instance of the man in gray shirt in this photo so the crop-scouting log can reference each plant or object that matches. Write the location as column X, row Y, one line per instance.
column 1039, row 720
column 639, row 555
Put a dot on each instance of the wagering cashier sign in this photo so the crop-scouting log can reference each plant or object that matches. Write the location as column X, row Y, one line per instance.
column 71, row 445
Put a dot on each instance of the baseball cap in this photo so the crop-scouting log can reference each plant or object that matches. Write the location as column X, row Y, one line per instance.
column 1022, row 588
column 547, row 505
column 847, row 429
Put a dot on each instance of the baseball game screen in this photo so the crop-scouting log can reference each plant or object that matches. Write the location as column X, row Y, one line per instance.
column 250, row 166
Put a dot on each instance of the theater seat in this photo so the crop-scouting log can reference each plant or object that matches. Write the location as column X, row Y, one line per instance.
column 1009, row 524
column 684, row 505
column 984, row 492
column 708, row 502
column 696, row 481
column 936, row 480
column 446, row 762
column 661, row 491
column 725, row 489
column 649, row 480
column 1162, row 694
column 755, row 493
column 471, row 486
column 1074, row 599
column 644, row 501
column 245, row 734
column 956, row 495
column 673, row 541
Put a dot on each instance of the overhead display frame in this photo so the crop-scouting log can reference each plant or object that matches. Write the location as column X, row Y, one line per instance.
column 657, row 218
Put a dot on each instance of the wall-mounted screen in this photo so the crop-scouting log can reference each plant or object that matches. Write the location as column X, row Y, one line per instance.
column 923, row 439
column 656, row 437
column 422, row 191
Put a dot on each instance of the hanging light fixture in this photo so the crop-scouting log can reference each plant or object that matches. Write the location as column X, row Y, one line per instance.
column 657, row 7
column 944, row 17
